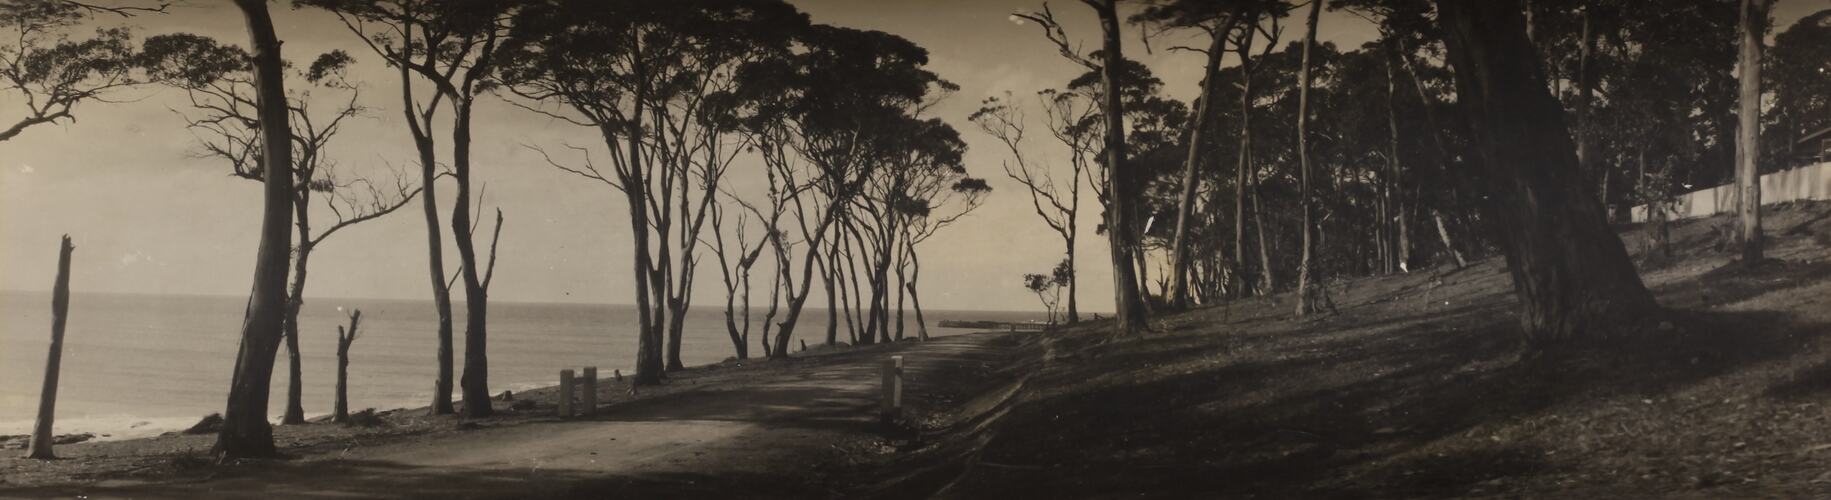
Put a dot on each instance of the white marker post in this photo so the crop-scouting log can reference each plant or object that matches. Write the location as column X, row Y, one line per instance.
column 591, row 391
column 893, row 388
column 565, row 393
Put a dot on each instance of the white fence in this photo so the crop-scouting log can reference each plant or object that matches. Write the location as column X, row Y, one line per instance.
column 1812, row 182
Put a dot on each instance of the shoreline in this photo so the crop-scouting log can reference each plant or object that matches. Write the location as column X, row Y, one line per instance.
column 728, row 383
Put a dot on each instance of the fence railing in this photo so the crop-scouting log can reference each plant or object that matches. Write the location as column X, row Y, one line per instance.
column 1811, row 182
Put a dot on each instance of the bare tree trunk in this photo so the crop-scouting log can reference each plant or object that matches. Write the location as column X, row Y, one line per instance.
column 1238, row 275
column 1448, row 245
column 1267, row 280
column 340, row 411
column 1305, row 288
column 1586, row 161
column 435, row 247
column 295, row 299
column 827, row 272
column 1571, row 272
column 1179, row 244
column 1748, row 131
column 1393, row 180
column 54, row 359
column 475, row 379
column 915, row 295
column 245, row 431
column 1074, row 281
column 1128, row 307
column 902, row 280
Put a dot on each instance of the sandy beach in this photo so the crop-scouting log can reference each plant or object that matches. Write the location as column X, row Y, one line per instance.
column 804, row 426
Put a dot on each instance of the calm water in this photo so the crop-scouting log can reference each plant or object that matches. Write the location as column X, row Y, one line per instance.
column 138, row 365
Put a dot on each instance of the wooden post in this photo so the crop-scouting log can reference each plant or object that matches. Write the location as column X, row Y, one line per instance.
column 892, row 403
column 565, row 393
column 47, row 399
column 591, row 391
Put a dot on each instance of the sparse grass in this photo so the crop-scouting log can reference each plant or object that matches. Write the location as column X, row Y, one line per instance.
column 1420, row 388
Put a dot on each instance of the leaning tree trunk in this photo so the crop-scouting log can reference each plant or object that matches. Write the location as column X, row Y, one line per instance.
column 1571, row 272
column 1443, row 233
column 1306, row 287
column 915, row 296
column 54, row 360
column 1128, row 305
column 245, row 431
column 340, row 412
column 1179, row 242
column 1748, row 131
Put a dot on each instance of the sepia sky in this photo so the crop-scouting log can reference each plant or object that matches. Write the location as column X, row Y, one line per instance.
column 149, row 216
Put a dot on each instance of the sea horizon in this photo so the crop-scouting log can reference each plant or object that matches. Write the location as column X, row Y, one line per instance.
column 140, row 364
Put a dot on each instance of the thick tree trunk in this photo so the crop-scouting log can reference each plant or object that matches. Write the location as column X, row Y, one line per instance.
column 1748, row 131
column 1305, row 287
column 1571, row 272
column 245, row 431
column 340, row 411
column 1128, row 304
column 827, row 272
column 1179, row 244
column 54, row 359
column 475, row 380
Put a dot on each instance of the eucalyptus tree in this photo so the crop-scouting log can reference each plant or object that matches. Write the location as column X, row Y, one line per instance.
column 935, row 204
column 1056, row 202
column 1571, row 272
column 657, row 81
column 216, row 80
column 826, row 118
column 1308, row 292
column 49, row 74
column 452, row 45
column 1128, row 299
column 245, row 431
column 1217, row 21
column 1748, row 131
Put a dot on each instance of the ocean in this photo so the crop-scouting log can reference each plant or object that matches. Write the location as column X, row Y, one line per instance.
column 139, row 365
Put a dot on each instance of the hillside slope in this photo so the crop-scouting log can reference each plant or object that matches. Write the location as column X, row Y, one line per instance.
column 1419, row 388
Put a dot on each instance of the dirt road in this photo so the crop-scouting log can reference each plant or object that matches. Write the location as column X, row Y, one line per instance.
column 791, row 433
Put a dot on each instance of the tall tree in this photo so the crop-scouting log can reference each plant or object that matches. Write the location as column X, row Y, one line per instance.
column 1748, row 131
column 1128, row 300
column 1307, row 291
column 215, row 79
column 656, row 80
column 1570, row 271
column 453, row 46
column 1217, row 21
column 245, row 431
column 1058, row 204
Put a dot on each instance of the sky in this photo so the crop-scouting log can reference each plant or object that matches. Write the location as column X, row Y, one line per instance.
column 148, row 215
